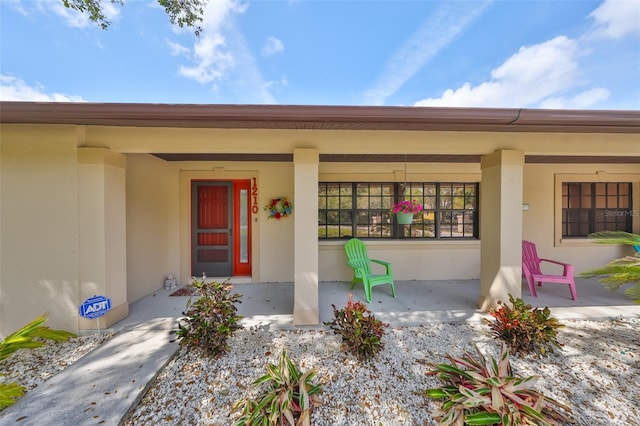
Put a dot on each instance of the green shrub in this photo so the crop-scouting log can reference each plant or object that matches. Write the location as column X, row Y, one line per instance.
column 211, row 319
column 361, row 331
column 288, row 394
column 24, row 339
column 477, row 392
column 523, row 328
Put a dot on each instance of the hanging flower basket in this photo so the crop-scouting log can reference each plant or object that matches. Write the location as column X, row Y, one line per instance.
column 279, row 208
column 404, row 218
column 404, row 211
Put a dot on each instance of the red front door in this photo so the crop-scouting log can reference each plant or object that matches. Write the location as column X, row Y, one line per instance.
column 220, row 228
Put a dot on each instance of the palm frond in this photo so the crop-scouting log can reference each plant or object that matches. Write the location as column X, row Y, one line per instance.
column 615, row 237
column 618, row 272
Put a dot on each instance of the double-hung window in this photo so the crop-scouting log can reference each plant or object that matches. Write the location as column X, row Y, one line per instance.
column 362, row 209
column 596, row 206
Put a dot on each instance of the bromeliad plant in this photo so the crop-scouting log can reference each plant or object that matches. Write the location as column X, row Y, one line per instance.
column 288, row 394
column 25, row 338
column 211, row 319
column 481, row 392
column 361, row 331
column 523, row 328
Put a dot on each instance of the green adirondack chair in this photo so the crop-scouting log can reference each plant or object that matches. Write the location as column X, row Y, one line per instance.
column 359, row 261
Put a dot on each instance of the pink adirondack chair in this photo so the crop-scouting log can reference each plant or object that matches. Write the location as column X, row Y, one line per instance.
column 531, row 270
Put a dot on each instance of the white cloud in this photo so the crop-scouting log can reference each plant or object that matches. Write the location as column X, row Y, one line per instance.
column 272, row 47
column 436, row 33
column 76, row 19
column 17, row 6
column 543, row 75
column 526, row 78
column 176, row 49
column 71, row 17
column 583, row 100
column 220, row 54
column 616, row 19
column 212, row 60
column 15, row 89
column 211, row 53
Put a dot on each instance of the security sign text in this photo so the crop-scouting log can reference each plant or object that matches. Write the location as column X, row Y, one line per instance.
column 95, row 307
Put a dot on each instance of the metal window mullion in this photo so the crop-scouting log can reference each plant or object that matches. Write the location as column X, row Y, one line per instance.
column 592, row 210
column 436, row 215
column 629, row 224
column 476, row 207
column 354, row 216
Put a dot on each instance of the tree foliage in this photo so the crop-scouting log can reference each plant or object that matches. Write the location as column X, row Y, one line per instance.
column 184, row 13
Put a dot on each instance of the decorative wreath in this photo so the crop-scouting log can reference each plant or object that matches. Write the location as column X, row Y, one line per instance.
column 279, row 208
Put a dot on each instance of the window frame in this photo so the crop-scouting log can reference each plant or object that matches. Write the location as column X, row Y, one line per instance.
column 379, row 216
column 600, row 176
column 590, row 215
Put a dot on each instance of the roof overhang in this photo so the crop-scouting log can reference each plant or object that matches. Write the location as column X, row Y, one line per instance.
column 294, row 117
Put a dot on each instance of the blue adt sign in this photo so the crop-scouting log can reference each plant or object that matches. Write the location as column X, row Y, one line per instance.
column 95, row 307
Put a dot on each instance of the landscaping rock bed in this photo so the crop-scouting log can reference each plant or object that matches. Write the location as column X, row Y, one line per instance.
column 596, row 374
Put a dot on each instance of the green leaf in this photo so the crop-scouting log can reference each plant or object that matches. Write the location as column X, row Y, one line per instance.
column 9, row 393
column 482, row 418
column 534, row 414
column 615, row 237
column 23, row 338
column 436, row 393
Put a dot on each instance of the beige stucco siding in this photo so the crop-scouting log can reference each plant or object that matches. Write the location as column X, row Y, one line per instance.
column 542, row 220
column 88, row 209
column 39, row 235
column 102, row 228
column 272, row 240
column 412, row 260
column 152, row 224
column 168, row 140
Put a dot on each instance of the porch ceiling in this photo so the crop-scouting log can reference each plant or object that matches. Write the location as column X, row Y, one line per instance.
column 293, row 117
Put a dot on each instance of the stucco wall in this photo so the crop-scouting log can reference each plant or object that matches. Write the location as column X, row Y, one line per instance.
column 412, row 260
column 102, row 225
column 40, row 216
column 272, row 240
column 152, row 224
column 136, row 140
column 38, row 227
column 541, row 220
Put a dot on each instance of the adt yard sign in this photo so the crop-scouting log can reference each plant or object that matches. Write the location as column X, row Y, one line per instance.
column 95, row 307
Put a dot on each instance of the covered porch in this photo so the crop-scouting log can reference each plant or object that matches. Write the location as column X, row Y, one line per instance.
column 270, row 305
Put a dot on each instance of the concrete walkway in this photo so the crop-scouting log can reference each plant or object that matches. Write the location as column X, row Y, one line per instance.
column 104, row 385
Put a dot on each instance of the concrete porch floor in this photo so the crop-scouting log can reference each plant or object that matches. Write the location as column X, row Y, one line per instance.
column 416, row 302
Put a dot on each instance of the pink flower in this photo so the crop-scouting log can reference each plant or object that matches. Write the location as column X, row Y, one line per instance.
column 407, row 206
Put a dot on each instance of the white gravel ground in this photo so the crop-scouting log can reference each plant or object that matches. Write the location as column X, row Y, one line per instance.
column 29, row 368
column 596, row 374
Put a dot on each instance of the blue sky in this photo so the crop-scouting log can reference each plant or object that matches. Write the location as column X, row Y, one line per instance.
column 517, row 54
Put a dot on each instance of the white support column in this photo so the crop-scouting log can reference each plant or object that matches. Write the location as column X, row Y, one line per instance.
column 305, row 307
column 500, row 227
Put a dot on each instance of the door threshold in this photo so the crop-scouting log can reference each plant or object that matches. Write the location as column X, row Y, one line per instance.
column 230, row 280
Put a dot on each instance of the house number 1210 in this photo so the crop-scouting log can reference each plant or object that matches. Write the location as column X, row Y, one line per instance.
column 254, row 197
